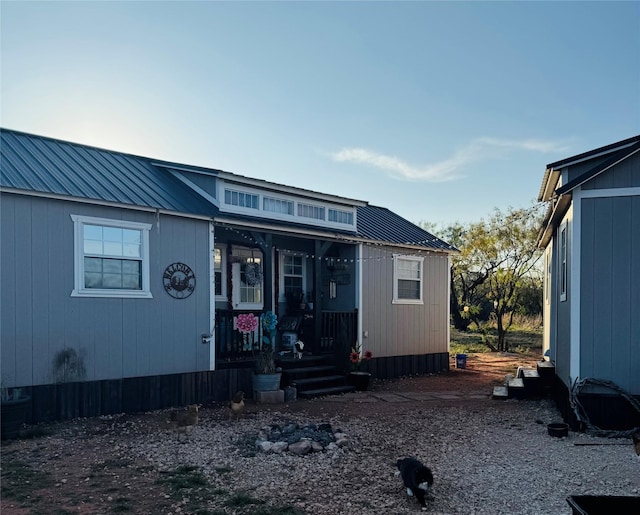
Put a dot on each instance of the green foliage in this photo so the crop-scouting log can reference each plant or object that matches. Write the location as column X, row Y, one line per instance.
column 497, row 273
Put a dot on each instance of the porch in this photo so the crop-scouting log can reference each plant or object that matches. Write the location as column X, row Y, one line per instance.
column 330, row 334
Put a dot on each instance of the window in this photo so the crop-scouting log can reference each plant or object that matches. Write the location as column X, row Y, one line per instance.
column 309, row 211
column 547, row 275
column 275, row 205
column 563, row 262
column 407, row 273
column 111, row 258
column 293, row 277
column 247, row 277
column 341, row 217
column 220, row 271
column 241, row 199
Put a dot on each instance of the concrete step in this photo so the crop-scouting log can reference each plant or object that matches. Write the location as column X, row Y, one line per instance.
column 320, row 392
column 500, row 392
column 516, row 388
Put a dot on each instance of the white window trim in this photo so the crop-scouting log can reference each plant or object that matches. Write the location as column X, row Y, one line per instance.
column 563, row 256
column 223, row 272
column 235, row 279
column 78, row 250
column 396, row 300
column 282, row 274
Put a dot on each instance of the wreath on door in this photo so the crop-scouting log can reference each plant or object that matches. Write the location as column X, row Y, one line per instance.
column 253, row 274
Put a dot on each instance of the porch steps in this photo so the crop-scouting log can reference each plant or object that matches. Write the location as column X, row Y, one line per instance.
column 528, row 382
column 313, row 377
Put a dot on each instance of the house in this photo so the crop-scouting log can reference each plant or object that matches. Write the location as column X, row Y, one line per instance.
column 591, row 242
column 122, row 278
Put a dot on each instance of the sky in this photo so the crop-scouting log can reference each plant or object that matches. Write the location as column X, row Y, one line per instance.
column 439, row 111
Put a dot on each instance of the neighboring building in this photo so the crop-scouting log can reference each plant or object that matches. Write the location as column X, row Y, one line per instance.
column 591, row 239
column 122, row 277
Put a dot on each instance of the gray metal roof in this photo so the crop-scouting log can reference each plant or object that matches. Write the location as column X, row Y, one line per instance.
column 46, row 165
column 50, row 166
column 380, row 224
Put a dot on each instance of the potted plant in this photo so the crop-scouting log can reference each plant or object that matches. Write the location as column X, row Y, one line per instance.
column 267, row 376
column 13, row 411
column 357, row 377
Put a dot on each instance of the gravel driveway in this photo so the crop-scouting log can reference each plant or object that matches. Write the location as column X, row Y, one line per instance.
column 487, row 457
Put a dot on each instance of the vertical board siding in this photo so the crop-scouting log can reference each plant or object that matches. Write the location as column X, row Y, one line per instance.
column 609, row 309
column 634, row 302
column 114, row 338
column 403, row 329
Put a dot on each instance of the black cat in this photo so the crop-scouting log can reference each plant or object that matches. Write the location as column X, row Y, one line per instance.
column 417, row 478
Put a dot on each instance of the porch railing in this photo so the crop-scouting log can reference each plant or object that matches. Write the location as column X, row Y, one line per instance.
column 338, row 333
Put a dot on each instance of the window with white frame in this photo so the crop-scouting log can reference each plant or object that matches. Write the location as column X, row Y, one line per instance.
column 407, row 279
column 547, row 276
column 111, row 258
column 276, row 205
column 310, row 211
column 563, row 262
column 340, row 216
column 293, row 275
column 220, row 271
column 247, row 278
column 241, row 199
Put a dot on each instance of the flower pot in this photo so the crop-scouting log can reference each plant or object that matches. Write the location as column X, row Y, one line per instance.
column 13, row 414
column 266, row 382
column 360, row 380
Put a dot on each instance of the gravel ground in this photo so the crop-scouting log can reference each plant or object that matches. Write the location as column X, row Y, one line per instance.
column 487, row 457
column 493, row 458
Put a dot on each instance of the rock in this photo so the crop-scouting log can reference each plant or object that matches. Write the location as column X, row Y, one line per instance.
column 265, row 445
column 300, row 448
column 279, row 447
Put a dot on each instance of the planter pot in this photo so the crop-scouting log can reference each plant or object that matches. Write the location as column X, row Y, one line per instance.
column 266, row 382
column 13, row 414
column 360, row 380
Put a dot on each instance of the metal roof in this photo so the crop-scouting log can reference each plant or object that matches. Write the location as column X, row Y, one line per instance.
column 51, row 166
column 380, row 224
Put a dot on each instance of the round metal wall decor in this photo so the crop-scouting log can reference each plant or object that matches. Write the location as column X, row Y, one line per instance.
column 179, row 280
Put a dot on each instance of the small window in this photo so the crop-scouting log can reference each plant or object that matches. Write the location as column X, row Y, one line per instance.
column 293, row 277
column 220, row 270
column 341, row 217
column 547, row 275
column 276, row 205
column 111, row 258
column 309, row 211
column 563, row 262
column 241, row 199
column 407, row 274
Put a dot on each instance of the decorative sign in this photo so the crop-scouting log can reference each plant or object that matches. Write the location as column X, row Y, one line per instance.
column 179, row 280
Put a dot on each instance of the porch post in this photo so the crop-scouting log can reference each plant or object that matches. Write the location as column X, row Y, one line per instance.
column 268, row 272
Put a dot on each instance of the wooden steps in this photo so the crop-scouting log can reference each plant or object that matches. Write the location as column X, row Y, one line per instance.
column 313, row 376
column 528, row 382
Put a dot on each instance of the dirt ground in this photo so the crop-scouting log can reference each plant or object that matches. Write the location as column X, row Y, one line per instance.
column 79, row 466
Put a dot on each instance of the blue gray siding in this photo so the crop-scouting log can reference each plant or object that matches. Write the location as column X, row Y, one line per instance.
column 115, row 338
column 610, row 296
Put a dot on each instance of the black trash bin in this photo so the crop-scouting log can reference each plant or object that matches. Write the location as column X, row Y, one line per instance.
column 604, row 504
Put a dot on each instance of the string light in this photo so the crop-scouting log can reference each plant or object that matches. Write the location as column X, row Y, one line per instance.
column 382, row 247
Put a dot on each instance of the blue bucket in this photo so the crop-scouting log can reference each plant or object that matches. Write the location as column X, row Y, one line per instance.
column 461, row 361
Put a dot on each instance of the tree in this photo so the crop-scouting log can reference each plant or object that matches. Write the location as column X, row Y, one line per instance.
column 495, row 269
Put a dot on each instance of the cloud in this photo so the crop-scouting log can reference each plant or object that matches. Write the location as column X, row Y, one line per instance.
column 481, row 149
